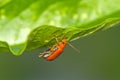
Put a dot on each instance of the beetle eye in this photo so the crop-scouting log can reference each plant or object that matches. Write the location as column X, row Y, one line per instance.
column 63, row 42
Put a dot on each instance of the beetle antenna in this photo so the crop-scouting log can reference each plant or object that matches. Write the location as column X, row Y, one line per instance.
column 73, row 47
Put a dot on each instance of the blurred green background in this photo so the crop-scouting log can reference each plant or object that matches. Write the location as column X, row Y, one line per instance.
column 99, row 59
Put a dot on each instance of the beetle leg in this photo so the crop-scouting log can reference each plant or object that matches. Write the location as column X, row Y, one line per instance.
column 45, row 52
column 56, row 39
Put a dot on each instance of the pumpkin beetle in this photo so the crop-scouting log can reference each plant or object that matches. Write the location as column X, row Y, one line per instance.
column 54, row 51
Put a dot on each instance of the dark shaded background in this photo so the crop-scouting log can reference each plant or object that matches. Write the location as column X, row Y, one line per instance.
column 99, row 59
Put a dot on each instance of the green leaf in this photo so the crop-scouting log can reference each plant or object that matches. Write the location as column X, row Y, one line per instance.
column 31, row 24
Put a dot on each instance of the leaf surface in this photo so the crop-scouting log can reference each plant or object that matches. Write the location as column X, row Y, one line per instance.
column 31, row 24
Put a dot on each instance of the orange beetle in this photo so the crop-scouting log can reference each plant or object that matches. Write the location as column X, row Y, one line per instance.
column 59, row 49
column 55, row 51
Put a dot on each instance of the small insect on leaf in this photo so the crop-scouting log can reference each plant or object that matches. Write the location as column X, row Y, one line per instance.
column 53, row 52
